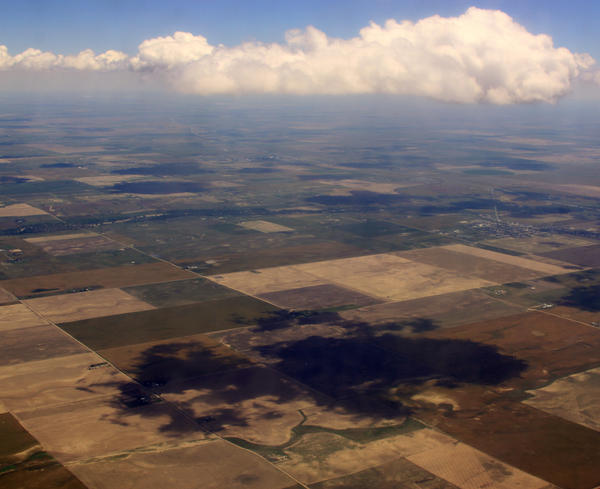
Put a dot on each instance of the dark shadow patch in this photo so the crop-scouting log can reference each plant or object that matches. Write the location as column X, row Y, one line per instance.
column 157, row 187
column 585, row 298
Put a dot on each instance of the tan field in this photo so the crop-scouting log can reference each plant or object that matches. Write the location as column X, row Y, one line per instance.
column 58, row 381
column 542, row 268
column 100, row 427
column 265, row 227
column 589, row 317
column 84, row 305
column 574, row 398
column 75, row 243
column 468, row 468
column 211, row 464
column 6, row 297
column 267, row 280
column 17, row 316
column 59, row 237
column 256, row 404
column 378, row 187
column 390, row 277
column 106, row 180
column 20, row 210
column 539, row 244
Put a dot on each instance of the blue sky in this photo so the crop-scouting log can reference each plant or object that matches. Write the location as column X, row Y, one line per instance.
column 68, row 26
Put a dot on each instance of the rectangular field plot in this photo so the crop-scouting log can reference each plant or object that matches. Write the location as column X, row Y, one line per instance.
column 551, row 346
column 468, row 468
column 537, row 266
column 317, row 297
column 444, row 310
column 256, row 404
column 575, row 398
column 122, row 276
column 268, row 280
column 83, row 305
column 70, row 244
column 539, row 244
column 17, row 316
column 58, row 381
column 6, row 297
column 169, row 322
column 399, row 473
column 213, row 464
column 35, row 343
column 585, row 256
column 464, row 264
column 390, row 277
column 20, row 210
column 159, row 362
column 103, row 426
column 265, row 227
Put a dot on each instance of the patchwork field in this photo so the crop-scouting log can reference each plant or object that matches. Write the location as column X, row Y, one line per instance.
column 83, row 305
column 169, row 322
column 212, row 464
column 35, row 343
column 122, row 276
column 539, row 244
column 17, row 316
column 59, row 380
column 574, row 398
column 69, row 244
column 265, row 227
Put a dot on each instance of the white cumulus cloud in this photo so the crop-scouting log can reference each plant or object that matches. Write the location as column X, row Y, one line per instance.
column 480, row 56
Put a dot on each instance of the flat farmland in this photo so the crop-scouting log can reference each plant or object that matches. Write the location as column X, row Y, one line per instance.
column 59, row 380
column 585, row 256
column 83, row 305
column 443, row 310
column 389, row 277
column 539, row 244
column 160, row 362
column 552, row 346
column 543, row 445
column 266, row 404
column 20, row 210
column 111, row 277
column 395, row 474
column 35, row 343
column 265, row 227
column 527, row 263
column 317, row 297
column 464, row 264
column 98, row 427
column 6, row 297
column 17, row 316
column 62, row 245
column 169, row 322
column 213, row 464
column 575, row 398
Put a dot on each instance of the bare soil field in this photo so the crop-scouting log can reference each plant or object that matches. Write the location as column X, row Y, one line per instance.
column 468, row 265
column 6, row 297
column 17, row 316
column 73, row 244
column 267, row 280
column 590, row 317
column 543, row 445
column 83, row 305
column 100, row 427
column 169, row 322
column 468, row 468
column 585, row 256
column 122, row 276
column 574, row 398
column 159, row 362
column 256, row 404
column 395, row 474
column 317, row 297
column 541, row 268
column 214, row 464
column 539, row 244
column 58, row 381
column 389, row 277
column 443, row 311
column 20, row 210
column 35, row 343
column 553, row 347
column 265, row 227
